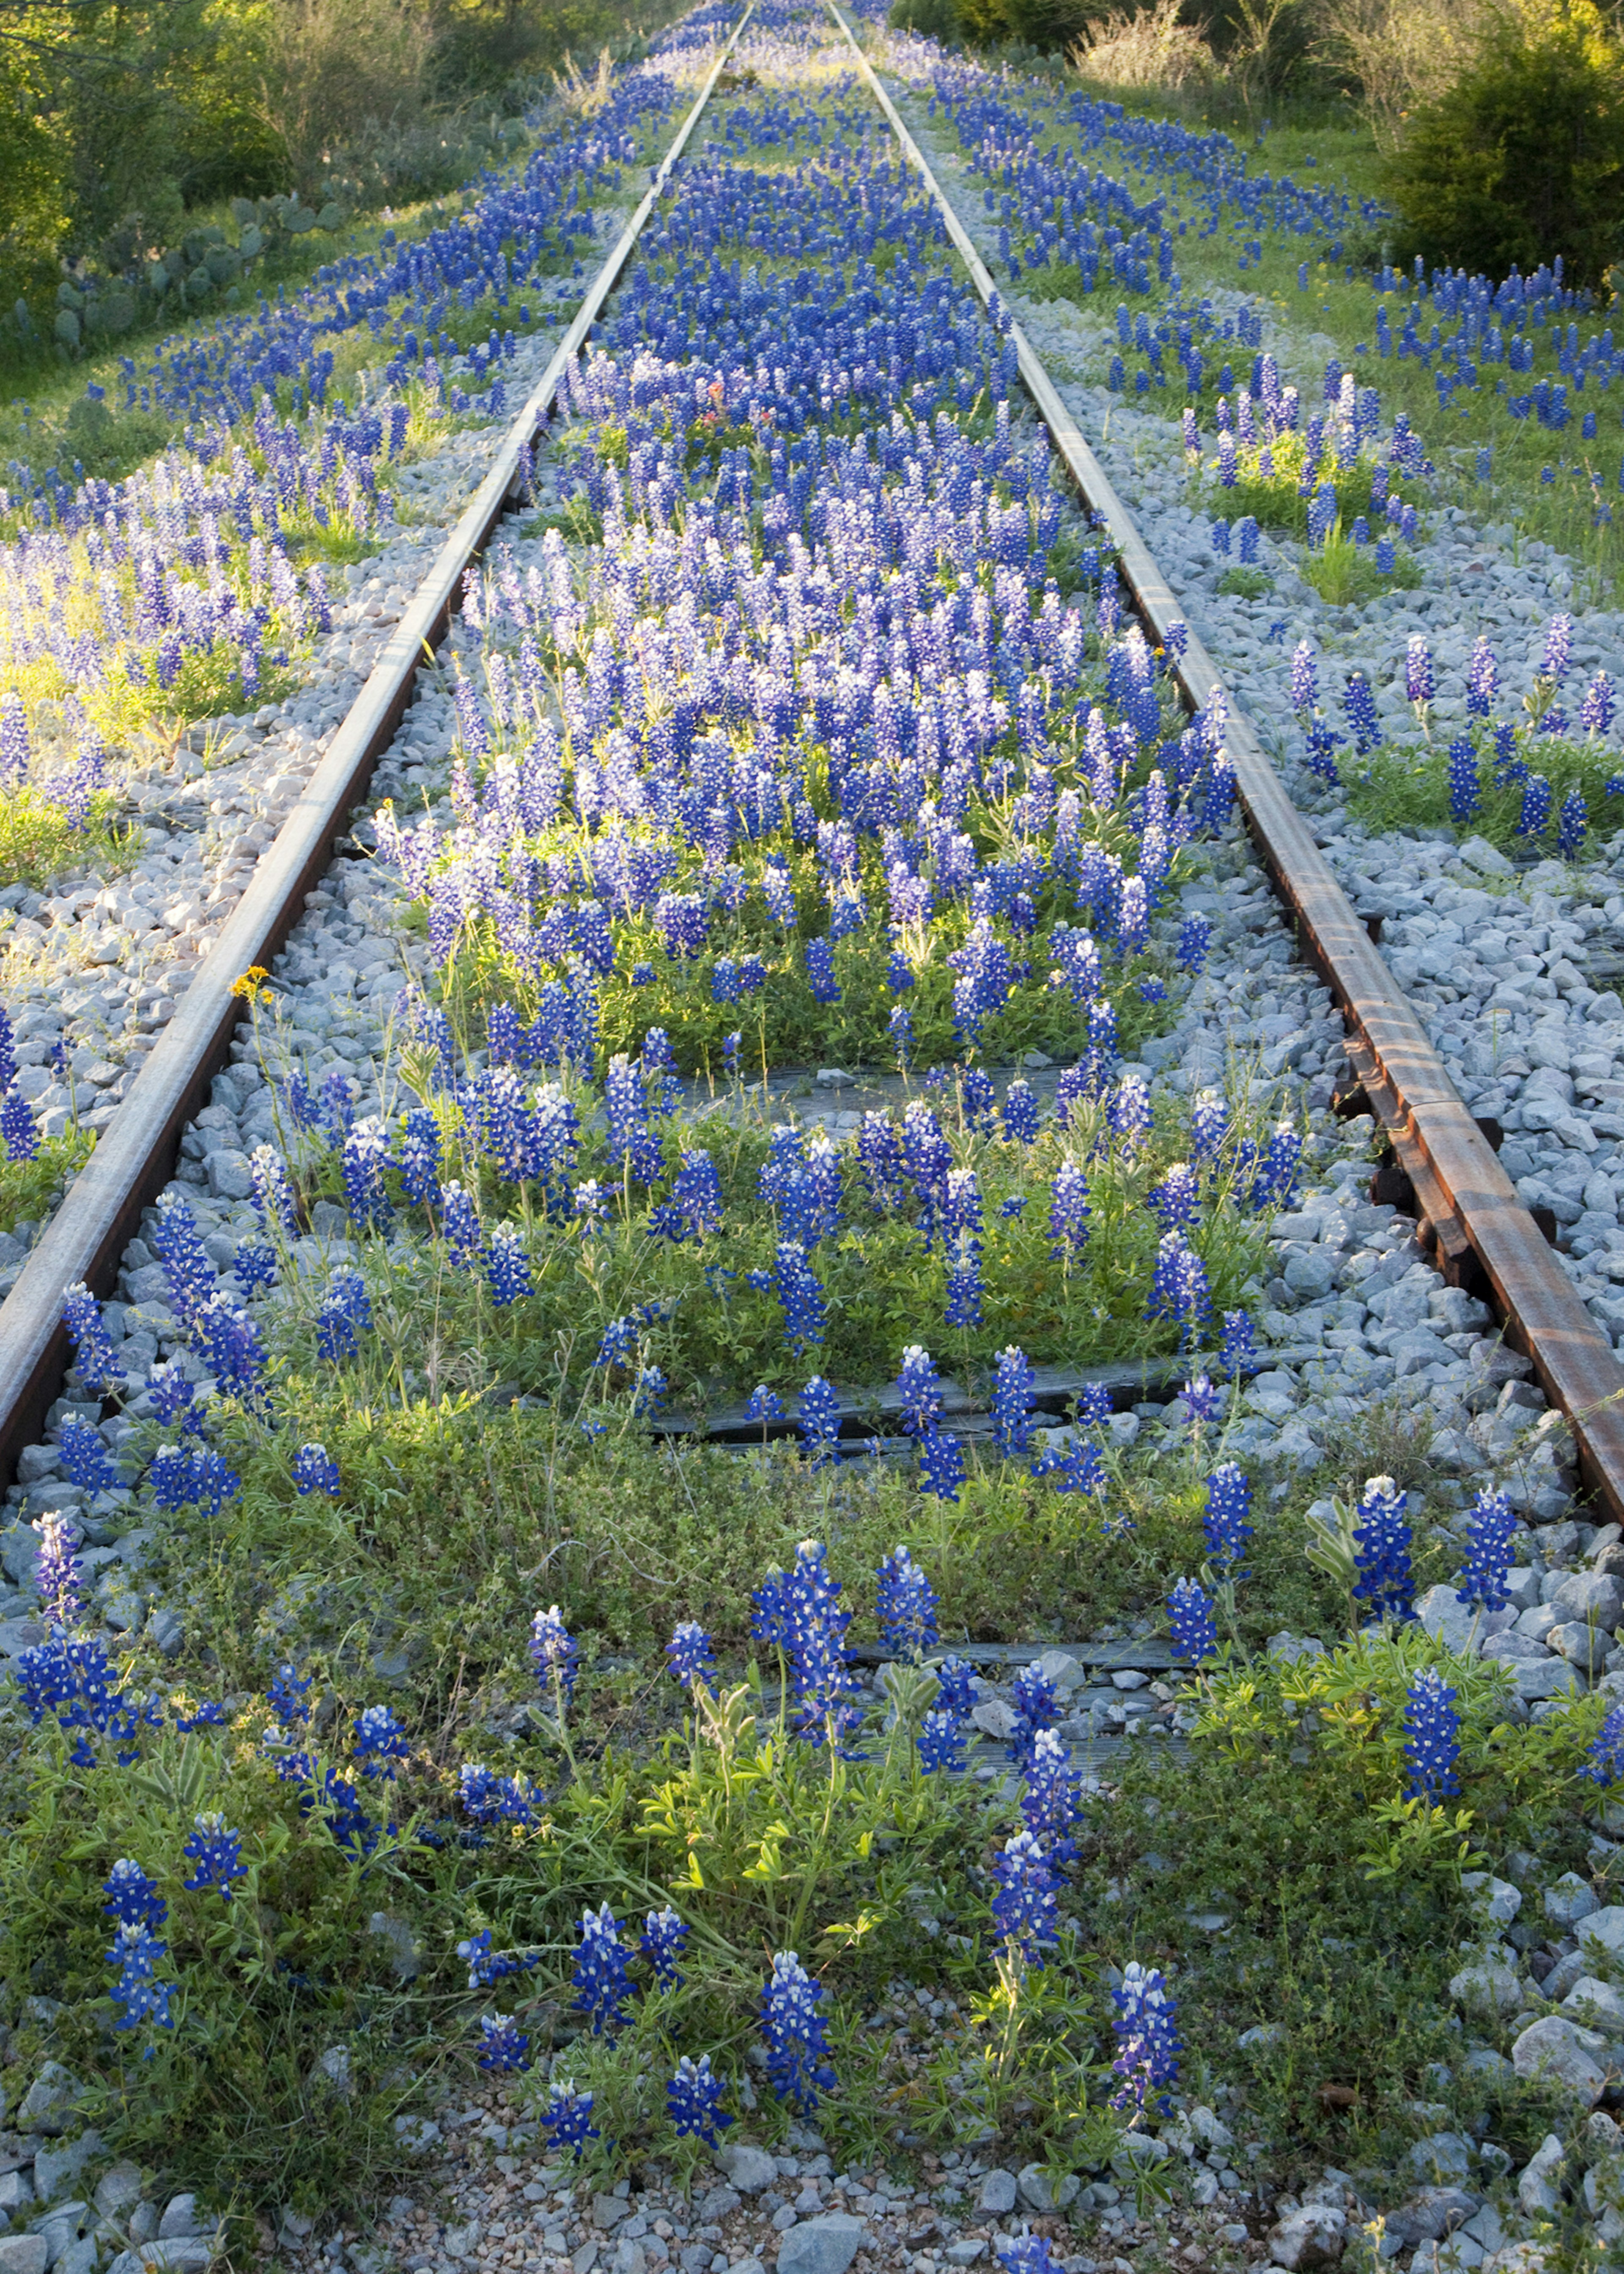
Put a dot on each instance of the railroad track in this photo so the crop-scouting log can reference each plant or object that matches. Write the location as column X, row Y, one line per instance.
column 1470, row 1218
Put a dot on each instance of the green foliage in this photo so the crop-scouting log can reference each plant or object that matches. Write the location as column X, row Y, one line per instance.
column 1523, row 158
column 932, row 19
column 1046, row 25
column 1343, row 573
column 29, row 1188
column 1246, row 583
column 38, row 840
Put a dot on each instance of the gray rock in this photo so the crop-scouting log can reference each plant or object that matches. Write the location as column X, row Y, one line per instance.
column 1261, row 2036
column 1605, row 1927
column 1569, row 1899
column 1538, row 2187
column 629, row 2257
column 1596, row 2006
column 230, row 1176
column 997, row 2193
column 1040, row 2194
column 609, row 2210
column 56, row 2169
column 116, row 2189
column 1312, row 2236
column 24, row 2254
column 1560, row 2052
column 1552, row 1677
column 1592, row 1597
column 184, row 2254
column 180, row 2217
column 1455, row 1625
column 965, row 2253
column 824, row 2245
column 400, row 1947
column 1488, row 1985
column 16, row 2192
column 49, row 2103
column 1443, row 2157
column 1497, row 1899
column 1431, row 2213
column 77, row 2257
column 165, row 1630
column 1583, row 1647
column 748, row 2168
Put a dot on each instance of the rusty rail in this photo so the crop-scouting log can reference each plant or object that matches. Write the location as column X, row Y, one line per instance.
column 1482, row 1235
column 137, row 1152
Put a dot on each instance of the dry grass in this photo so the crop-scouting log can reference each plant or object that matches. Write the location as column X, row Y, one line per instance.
column 1148, row 50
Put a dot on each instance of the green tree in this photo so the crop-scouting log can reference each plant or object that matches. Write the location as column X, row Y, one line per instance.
column 1522, row 158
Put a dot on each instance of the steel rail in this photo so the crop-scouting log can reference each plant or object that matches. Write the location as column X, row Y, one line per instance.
column 136, row 1153
column 1482, row 1237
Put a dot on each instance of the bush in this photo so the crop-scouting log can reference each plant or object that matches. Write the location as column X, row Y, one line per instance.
column 932, row 19
column 1522, row 158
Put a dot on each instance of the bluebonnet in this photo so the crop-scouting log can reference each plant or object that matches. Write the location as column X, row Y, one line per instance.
column 796, row 2033
column 662, row 1942
column 905, row 1606
column 1179, row 1289
column 1572, row 822
column 942, row 1464
column 821, row 972
column 134, row 1958
column 1238, row 1342
column 1195, row 937
column 1360, row 706
column 290, row 1694
column 1175, row 1202
column 229, row 1340
column 174, row 1397
column 799, row 1612
column 1491, row 1523
column 1381, row 1551
column 1465, row 782
column 1050, row 1802
column 1557, row 657
column 488, row 1798
column 955, row 1688
column 1025, row 1910
column 765, row 1404
column 692, row 2100
column 1190, row 1617
column 1021, row 1113
column 508, row 1266
column 419, row 1157
column 1011, row 1404
column 1482, row 678
column 365, row 1153
column 602, row 1985
column 567, row 2118
column 1604, row 1753
column 1229, row 1500
column 1431, row 1738
column 254, row 1266
column 1128, row 1114
column 941, row 1743
column 800, row 1293
column 215, row 1854
column 1037, row 1707
column 93, row 1351
column 820, row 1419
column 459, row 1222
column 380, row 1744
column 504, row 2047
column 1419, row 683
column 182, row 1477
column 964, row 1285
column 346, row 1314
column 902, row 1038
column 1068, row 1213
column 555, row 1654
column 1209, row 1125
column 1305, row 677
column 618, row 1344
column 314, row 1472
column 1199, row 1399
column 1148, row 2038
column 1025, row 2254
column 1536, row 806
column 132, row 1898
column 918, row 1388
column 17, row 1132
column 1596, row 710
column 690, row 1653
column 86, row 1458
column 185, row 1263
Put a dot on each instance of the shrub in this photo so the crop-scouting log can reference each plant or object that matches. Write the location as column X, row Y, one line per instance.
column 1522, row 158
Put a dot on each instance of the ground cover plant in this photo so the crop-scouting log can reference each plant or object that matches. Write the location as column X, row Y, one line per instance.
column 511, row 1740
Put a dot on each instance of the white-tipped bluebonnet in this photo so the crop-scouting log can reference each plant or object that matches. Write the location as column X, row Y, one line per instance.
column 1536, row 812
column 228, row 1340
column 765, row 1404
column 345, row 1315
column 1148, row 2039
column 1229, row 1502
column 1199, row 1399
column 821, row 972
column 901, row 1033
column 602, row 1985
column 1051, row 1802
column 419, row 1157
column 941, row 1743
column 253, row 1267
column 186, row 1265
column 1431, row 1738
column 1025, row 1910
column 905, row 1606
column 1189, row 1619
column 964, row 1285
column 1558, row 658
column 380, row 1744
column 555, row 1654
column 504, row 2047
column 19, row 1134
column 1012, row 1403
column 132, row 1898
column 1600, row 701
column 1025, row 2254
column 796, row 2033
column 1305, row 677
column 567, row 2118
column 955, row 1688
column 1385, row 1583
column 1482, row 678
column 1179, row 1289
column 314, row 1471
column 1465, row 780
column 1209, row 1125
column 1604, row 1754
column 508, row 1266
column 459, row 1225
column 1195, row 939
column 1021, row 1113
column 215, row 1852
column 85, row 1458
column 689, row 1653
column 1068, row 1213
column 919, row 1387
column 1127, row 1114
column 1490, row 1522
column 1175, row 1202
column 58, row 1570
column 93, row 1351
column 662, row 1942
column 1418, row 680
column 364, row 1157
column 800, row 1293
column 1037, row 1707
column 694, row 2101
column 189, row 1477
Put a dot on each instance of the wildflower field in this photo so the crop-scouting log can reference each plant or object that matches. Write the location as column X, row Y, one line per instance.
column 759, row 1490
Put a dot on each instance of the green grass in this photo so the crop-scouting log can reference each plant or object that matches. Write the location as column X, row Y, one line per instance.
column 1407, row 785
column 38, row 841
column 30, row 1189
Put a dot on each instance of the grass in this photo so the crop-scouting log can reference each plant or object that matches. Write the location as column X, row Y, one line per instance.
column 29, row 1190
column 38, row 840
column 1345, row 574
column 1407, row 784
